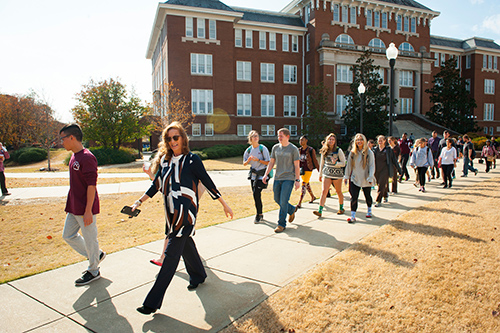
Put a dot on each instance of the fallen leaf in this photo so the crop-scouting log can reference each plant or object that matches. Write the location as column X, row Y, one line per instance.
column 493, row 239
column 49, row 237
column 51, row 218
column 415, row 260
column 495, row 313
column 392, row 307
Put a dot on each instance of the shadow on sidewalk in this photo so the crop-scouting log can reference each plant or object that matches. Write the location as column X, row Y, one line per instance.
column 432, row 231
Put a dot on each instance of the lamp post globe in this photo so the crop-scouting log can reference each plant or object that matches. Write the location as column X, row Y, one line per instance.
column 361, row 91
column 391, row 54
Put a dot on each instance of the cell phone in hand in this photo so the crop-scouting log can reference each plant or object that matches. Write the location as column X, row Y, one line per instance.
column 128, row 211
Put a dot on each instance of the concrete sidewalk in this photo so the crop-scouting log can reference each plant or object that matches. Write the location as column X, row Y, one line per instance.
column 245, row 264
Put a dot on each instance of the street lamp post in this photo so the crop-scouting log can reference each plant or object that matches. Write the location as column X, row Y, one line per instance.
column 391, row 54
column 361, row 91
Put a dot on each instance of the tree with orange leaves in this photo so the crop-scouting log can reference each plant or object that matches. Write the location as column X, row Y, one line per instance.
column 172, row 106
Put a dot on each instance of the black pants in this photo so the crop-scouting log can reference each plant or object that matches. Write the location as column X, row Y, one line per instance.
column 447, row 170
column 421, row 175
column 488, row 164
column 435, row 167
column 177, row 246
column 257, row 194
column 2, row 183
column 382, row 182
column 354, row 192
column 404, row 162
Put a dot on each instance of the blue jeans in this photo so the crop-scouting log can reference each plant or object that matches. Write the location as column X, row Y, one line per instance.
column 468, row 165
column 282, row 190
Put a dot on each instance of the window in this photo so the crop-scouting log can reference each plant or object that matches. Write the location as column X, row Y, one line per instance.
column 467, row 85
column 369, row 18
column 406, row 47
column 354, row 15
column 292, row 129
column 345, row 14
column 243, row 71
column 295, row 43
column 413, row 24
column 485, row 61
column 343, row 130
column 212, row 29
column 289, row 74
column 189, row 27
column 266, row 72
column 290, row 106
column 248, row 39
column 262, row 40
column 201, row 64
column 267, row 130
column 200, row 24
column 196, row 128
column 436, row 59
column 399, row 23
column 495, row 63
column 485, row 130
column 344, row 73
column 376, row 19
column 457, row 61
column 406, row 105
column 490, row 62
column 489, row 112
column 244, row 105
column 243, row 130
column 285, row 43
column 491, row 130
column 443, row 58
column 202, row 101
column 341, row 104
column 272, row 41
column 406, row 78
column 267, row 105
column 238, row 38
column 308, row 73
column 376, row 42
column 384, row 20
column 468, row 61
column 307, row 14
column 336, row 13
column 406, row 21
column 209, row 129
column 344, row 39
column 489, row 86
column 308, row 41
column 381, row 73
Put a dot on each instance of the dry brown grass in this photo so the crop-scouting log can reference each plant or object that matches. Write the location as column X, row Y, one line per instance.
column 31, row 230
column 39, row 182
column 435, row 269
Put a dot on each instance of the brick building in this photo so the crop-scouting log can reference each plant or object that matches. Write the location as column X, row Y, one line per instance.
column 245, row 69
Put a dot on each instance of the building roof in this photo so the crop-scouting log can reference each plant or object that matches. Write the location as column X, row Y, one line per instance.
column 408, row 3
column 210, row 4
column 467, row 44
column 270, row 17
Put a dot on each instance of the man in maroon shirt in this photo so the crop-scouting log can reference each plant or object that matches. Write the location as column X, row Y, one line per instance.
column 82, row 204
column 405, row 145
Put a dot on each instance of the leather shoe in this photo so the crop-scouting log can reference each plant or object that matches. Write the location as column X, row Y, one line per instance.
column 146, row 310
column 193, row 286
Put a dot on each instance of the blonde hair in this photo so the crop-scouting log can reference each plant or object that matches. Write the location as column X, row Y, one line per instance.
column 325, row 149
column 355, row 150
column 164, row 148
column 252, row 133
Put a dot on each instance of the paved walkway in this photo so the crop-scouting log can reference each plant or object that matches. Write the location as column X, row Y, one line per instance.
column 246, row 263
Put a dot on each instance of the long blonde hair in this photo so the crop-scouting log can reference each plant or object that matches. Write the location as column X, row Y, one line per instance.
column 164, row 148
column 355, row 150
column 325, row 149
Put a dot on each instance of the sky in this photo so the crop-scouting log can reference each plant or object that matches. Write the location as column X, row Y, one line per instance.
column 54, row 47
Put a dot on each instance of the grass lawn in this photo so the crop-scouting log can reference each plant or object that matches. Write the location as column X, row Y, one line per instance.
column 435, row 269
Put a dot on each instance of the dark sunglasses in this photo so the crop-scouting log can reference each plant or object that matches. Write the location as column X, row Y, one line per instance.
column 175, row 137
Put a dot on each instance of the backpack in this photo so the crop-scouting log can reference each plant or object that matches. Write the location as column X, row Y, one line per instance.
column 261, row 148
column 473, row 152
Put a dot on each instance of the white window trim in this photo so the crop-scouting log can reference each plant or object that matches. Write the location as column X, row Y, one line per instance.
column 267, row 130
column 286, row 42
column 196, row 129
column 262, row 40
column 208, row 67
column 245, row 100
column 195, row 94
column 238, row 38
column 207, row 129
column 246, row 71
column 212, row 33
column 291, row 101
column 272, row 41
column 291, row 69
column 249, row 39
column 189, row 27
column 269, row 112
column 200, row 25
column 245, row 129
column 267, row 71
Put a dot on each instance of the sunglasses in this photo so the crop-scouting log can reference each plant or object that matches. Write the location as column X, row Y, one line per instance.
column 61, row 139
column 175, row 137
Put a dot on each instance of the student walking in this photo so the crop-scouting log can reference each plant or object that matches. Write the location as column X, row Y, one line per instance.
column 433, row 144
column 448, row 161
column 4, row 154
column 286, row 157
column 405, row 146
column 393, row 142
column 82, row 204
column 489, row 153
column 421, row 160
column 308, row 163
column 360, row 171
column 469, row 154
column 177, row 175
column 258, row 157
column 385, row 162
column 332, row 172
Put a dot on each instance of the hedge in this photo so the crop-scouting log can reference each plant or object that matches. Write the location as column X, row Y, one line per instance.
column 106, row 156
column 28, row 155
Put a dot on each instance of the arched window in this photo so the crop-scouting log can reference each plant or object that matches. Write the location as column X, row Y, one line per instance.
column 406, row 47
column 375, row 42
column 344, row 39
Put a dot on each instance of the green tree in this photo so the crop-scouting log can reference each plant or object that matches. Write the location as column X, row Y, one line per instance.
column 376, row 99
column 453, row 107
column 316, row 122
column 108, row 115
